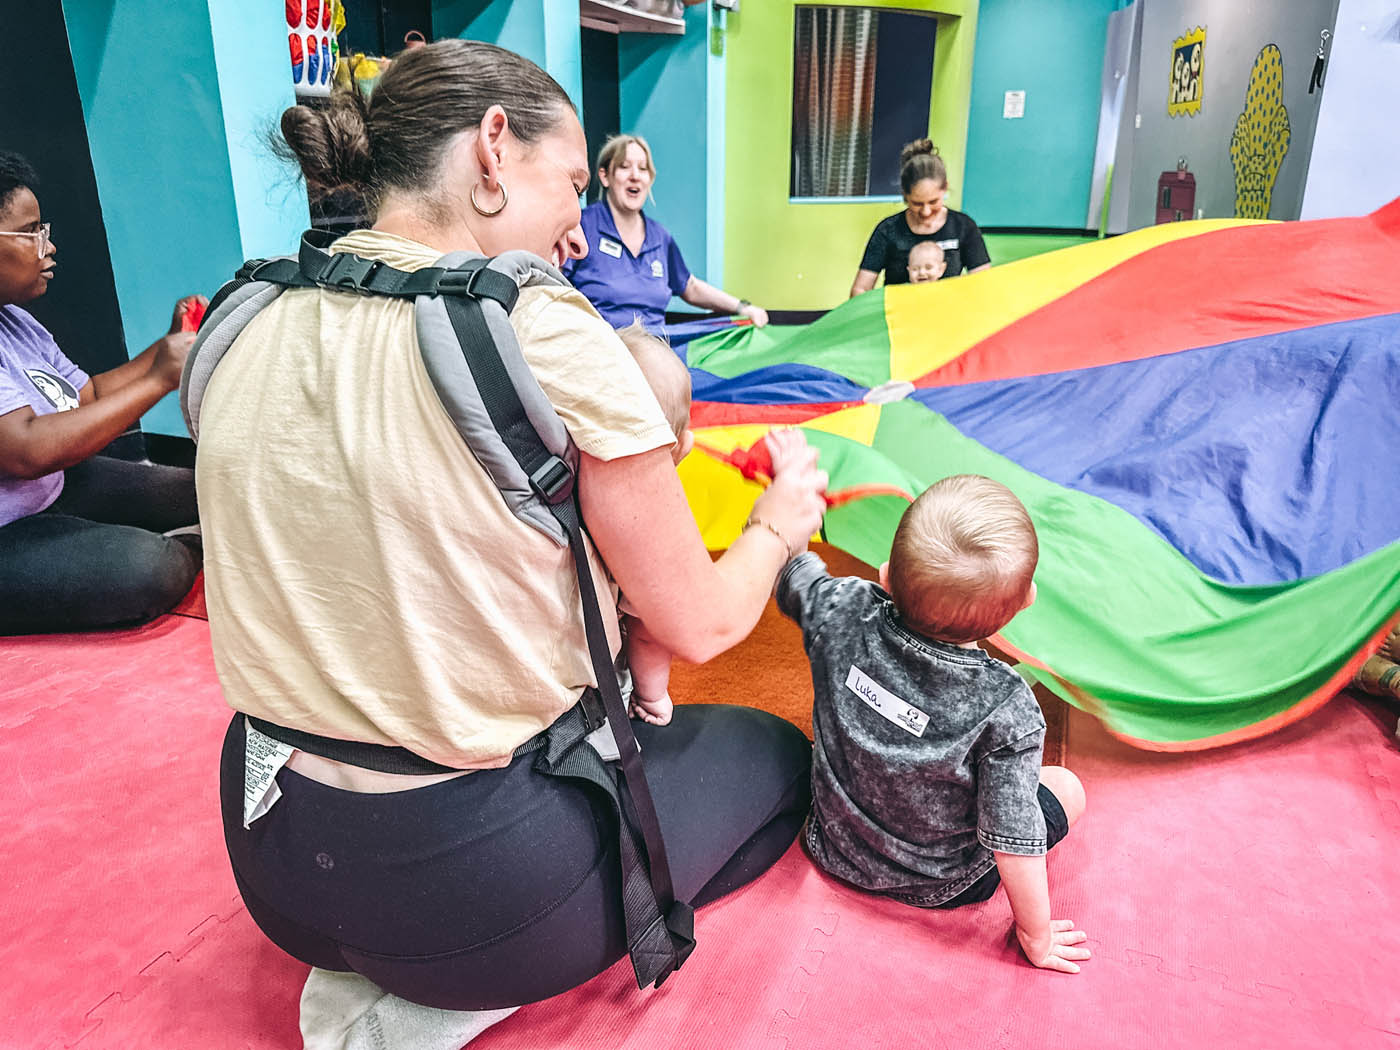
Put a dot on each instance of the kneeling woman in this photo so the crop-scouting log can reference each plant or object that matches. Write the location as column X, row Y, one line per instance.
column 81, row 542
column 926, row 217
column 634, row 265
column 368, row 582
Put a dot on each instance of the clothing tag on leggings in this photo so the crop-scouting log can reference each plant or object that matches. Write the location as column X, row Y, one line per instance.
column 885, row 703
column 263, row 757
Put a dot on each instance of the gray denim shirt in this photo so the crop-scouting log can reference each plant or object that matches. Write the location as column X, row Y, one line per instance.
column 927, row 755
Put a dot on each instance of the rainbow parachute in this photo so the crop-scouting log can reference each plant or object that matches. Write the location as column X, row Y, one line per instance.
column 1203, row 419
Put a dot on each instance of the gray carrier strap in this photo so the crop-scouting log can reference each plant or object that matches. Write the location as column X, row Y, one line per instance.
column 456, row 276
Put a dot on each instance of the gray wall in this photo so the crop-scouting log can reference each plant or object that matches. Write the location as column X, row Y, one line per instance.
column 1356, row 153
column 1236, row 31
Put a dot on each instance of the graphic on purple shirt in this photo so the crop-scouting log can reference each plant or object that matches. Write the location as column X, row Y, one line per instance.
column 624, row 287
column 33, row 374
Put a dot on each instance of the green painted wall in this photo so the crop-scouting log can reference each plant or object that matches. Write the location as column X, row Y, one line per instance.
column 186, row 187
column 788, row 255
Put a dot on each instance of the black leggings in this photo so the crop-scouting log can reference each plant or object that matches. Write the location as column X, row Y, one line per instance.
column 500, row 888
column 96, row 557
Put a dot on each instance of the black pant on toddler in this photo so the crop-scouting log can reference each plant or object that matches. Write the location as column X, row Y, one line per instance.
column 501, row 887
column 96, row 556
column 1056, row 828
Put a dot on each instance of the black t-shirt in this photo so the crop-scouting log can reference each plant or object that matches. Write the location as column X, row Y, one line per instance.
column 888, row 248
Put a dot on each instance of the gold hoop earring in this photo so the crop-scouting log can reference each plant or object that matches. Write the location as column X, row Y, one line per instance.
column 505, row 199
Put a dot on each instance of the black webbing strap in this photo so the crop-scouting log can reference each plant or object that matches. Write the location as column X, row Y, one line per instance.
column 316, row 268
column 660, row 929
column 572, row 726
column 379, row 757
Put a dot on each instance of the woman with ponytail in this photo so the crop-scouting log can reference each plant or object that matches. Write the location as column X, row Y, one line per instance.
column 926, row 217
column 367, row 582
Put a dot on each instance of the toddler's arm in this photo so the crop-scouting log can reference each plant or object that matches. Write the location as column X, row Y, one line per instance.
column 1048, row 943
column 650, row 663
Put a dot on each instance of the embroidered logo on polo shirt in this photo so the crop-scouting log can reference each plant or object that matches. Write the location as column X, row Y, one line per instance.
column 610, row 247
column 656, row 269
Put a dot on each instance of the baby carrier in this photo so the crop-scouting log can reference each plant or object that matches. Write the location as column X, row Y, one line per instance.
column 461, row 312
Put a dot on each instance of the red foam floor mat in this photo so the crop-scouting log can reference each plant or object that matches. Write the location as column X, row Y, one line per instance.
column 1244, row 898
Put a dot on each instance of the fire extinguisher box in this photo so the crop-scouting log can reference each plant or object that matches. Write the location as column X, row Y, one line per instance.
column 1176, row 196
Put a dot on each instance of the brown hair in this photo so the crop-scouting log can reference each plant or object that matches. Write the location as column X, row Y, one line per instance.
column 395, row 138
column 664, row 372
column 963, row 559
column 615, row 149
column 919, row 160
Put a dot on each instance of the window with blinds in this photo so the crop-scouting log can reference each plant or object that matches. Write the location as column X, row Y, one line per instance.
column 862, row 84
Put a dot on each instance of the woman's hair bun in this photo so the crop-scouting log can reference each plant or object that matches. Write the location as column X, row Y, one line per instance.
column 917, row 148
column 331, row 143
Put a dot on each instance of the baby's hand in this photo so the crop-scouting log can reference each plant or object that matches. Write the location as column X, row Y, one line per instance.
column 1053, row 948
column 788, row 449
column 653, row 712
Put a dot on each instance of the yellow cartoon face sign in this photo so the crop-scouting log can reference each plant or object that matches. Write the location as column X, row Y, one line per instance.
column 1260, row 141
column 1187, row 74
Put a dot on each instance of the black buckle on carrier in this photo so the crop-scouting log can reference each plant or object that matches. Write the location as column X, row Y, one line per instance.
column 349, row 271
column 553, row 481
column 459, row 281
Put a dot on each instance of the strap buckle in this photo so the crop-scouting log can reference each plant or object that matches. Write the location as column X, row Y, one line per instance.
column 349, row 271
column 590, row 705
column 459, row 281
column 553, row 481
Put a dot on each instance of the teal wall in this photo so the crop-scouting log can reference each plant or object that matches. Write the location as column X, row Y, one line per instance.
column 664, row 94
column 670, row 91
column 186, row 188
column 544, row 31
column 1035, row 171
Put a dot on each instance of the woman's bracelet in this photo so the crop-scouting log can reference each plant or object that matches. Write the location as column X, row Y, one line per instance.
column 771, row 528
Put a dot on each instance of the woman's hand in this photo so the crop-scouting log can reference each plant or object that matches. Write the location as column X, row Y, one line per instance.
column 794, row 504
column 168, row 362
column 757, row 314
column 182, row 307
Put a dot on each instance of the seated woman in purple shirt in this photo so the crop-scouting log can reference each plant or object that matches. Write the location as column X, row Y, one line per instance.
column 633, row 265
column 81, row 542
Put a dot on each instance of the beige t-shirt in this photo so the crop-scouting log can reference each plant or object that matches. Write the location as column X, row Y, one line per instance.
column 365, row 579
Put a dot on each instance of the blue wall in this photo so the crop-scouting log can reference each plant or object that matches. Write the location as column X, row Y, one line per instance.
column 664, row 96
column 544, row 31
column 187, row 190
column 1035, row 171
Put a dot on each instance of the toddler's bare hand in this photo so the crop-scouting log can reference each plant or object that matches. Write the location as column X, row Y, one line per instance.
column 1055, row 948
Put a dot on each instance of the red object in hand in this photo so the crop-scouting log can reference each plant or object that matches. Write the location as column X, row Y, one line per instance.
column 756, row 464
column 191, row 316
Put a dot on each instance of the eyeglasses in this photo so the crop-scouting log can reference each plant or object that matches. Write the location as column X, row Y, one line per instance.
column 44, row 242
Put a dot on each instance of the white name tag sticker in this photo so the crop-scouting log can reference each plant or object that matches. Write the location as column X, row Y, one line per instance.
column 885, row 704
column 947, row 246
column 262, row 758
column 608, row 247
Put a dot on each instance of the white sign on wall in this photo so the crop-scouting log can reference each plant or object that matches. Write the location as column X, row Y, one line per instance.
column 1014, row 107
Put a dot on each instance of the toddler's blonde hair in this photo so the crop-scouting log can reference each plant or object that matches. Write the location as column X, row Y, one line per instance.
column 963, row 559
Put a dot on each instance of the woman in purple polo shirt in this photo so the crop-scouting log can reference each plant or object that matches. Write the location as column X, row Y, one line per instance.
column 81, row 542
column 634, row 266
